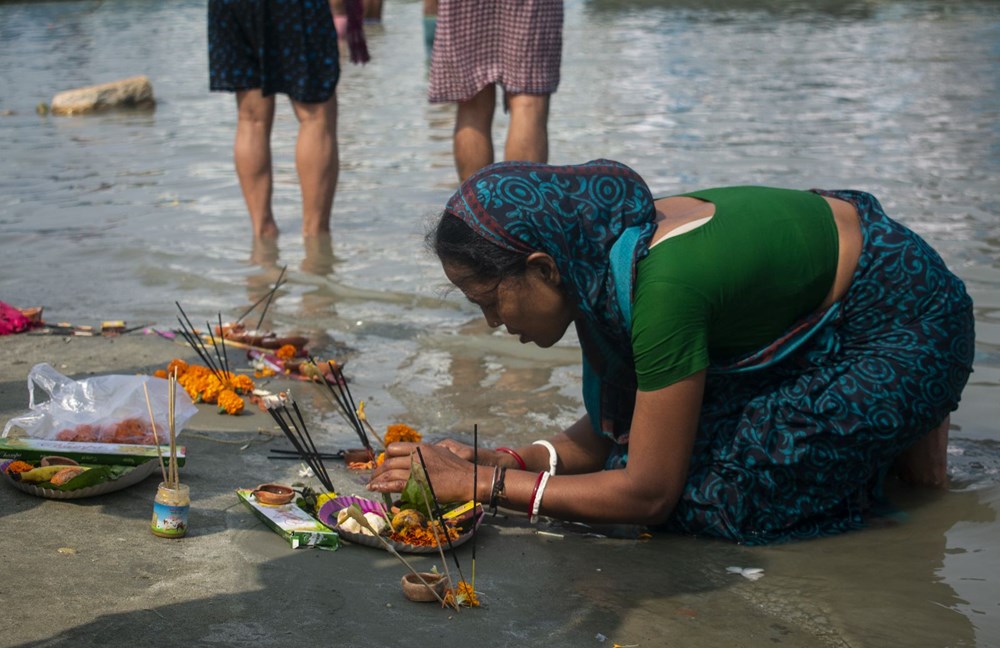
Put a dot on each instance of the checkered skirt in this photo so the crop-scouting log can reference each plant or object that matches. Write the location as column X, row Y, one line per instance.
column 514, row 43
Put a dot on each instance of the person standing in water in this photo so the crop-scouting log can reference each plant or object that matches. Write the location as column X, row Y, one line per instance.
column 478, row 46
column 257, row 49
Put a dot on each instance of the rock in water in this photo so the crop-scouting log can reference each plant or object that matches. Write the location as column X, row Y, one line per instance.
column 133, row 92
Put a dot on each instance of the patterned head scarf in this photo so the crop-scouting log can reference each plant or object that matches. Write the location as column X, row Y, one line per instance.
column 575, row 214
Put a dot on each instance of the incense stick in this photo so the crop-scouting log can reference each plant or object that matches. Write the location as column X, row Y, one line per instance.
column 475, row 484
column 222, row 339
column 156, row 439
column 190, row 334
column 444, row 561
column 301, row 440
column 258, row 302
column 437, row 511
column 223, row 365
column 269, row 297
column 341, row 394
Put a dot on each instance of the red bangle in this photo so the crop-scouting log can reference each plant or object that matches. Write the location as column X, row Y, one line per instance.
column 534, row 493
column 517, row 457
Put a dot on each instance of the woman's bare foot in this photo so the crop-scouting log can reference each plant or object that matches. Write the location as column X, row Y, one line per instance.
column 925, row 463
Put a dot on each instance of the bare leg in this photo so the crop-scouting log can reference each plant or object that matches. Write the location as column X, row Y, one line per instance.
column 925, row 463
column 252, row 154
column 373, row 9
column 318, row 162
column 528, row 133
column 473, row 143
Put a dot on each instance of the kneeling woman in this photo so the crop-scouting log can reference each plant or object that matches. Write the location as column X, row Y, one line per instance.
column 756, row 360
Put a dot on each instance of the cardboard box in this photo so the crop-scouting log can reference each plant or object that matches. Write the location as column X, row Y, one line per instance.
column 292, row 523
column 118, row 454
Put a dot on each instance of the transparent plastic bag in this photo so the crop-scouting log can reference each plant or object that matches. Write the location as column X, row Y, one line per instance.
column 104, row 406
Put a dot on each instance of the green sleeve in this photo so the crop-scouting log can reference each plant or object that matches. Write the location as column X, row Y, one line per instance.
column 669, row 333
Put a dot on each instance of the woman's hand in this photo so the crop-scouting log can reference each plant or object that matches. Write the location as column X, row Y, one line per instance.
column 450, row 475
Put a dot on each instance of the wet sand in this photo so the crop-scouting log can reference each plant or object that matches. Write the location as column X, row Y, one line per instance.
column 90, row 572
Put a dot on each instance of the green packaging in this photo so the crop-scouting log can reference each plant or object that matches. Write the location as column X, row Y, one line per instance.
column 118, row 454
column 292, row 522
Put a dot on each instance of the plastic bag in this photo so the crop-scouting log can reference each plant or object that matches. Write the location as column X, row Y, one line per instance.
column 104, row 406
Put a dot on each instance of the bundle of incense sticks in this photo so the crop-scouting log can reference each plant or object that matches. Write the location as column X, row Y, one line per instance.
column 220, row 365
column 297, row 433
column 341, row 393
column 173, row 477
column 270, row 295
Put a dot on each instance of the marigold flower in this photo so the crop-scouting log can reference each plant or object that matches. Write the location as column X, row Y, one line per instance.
column 287, row 352
column 230, row 402
column 462, row 594
column 177, row 365
column 241, row 383
column 401, row 432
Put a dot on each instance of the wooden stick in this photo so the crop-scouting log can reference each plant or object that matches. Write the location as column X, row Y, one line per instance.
column 156, row 439
column 444, row 561
column 360, row 519
column 175, row 477
column 364, row 419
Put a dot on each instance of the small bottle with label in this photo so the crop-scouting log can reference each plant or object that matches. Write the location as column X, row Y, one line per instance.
column 170, row 510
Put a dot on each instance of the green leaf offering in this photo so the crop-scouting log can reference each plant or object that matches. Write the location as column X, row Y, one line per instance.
column 94, row 476
column 417, row 491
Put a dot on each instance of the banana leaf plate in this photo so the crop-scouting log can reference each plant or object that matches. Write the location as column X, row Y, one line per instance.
column 130, row 477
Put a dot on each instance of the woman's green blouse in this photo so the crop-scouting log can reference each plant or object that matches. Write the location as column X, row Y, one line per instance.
column 765, row 259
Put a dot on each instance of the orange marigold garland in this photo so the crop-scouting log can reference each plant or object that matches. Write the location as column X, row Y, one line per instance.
column 203, row 385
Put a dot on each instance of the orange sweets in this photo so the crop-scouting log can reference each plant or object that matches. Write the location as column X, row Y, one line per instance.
column 18, row 467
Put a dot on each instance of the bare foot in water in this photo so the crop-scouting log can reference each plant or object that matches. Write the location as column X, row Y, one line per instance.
column 925, row 463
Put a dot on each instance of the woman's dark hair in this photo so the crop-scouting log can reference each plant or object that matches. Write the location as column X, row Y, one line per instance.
column 455, row 243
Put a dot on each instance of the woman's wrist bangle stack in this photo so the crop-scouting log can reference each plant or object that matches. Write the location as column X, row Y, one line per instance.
column 536, row 496
column 553, row 456
column 497, row 489
column 520, row 462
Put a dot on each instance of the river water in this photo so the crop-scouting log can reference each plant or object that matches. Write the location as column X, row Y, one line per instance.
column 119, row 215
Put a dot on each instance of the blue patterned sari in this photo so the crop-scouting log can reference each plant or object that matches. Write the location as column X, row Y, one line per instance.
column 795, row 439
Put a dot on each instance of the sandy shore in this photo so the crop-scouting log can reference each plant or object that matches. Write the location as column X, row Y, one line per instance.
column 90, row 572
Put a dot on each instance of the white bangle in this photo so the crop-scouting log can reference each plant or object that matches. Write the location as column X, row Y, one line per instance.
column 537, row 504
column 553, row 456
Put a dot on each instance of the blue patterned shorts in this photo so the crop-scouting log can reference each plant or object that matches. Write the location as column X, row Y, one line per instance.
column 286, row 46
